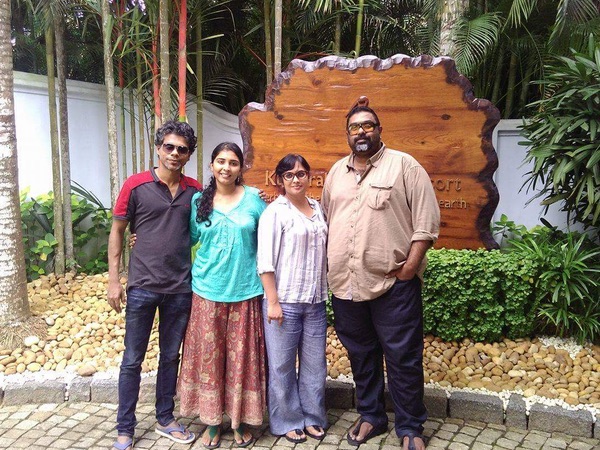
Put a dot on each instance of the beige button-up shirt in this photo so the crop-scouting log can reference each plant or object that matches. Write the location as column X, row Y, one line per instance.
column 373, row 219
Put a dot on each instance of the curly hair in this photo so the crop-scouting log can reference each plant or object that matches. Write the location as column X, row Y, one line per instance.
column 204, row 203
column 180, row 129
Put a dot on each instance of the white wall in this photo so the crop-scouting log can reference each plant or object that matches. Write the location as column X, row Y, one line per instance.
column 510, row 176
column 88, row 135
column 89, row 147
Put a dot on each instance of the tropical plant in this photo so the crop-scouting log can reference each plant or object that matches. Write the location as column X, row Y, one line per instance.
column 91, row 224
column 567, row 282
column 563, row 134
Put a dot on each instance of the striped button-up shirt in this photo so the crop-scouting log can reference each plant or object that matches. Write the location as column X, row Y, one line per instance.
column 293, row 246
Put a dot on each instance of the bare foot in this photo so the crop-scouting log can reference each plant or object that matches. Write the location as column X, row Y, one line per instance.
column 176, row 434
column 315, row 431
column 124, row 440
column 419, row 444
column 365, row 429
column 211, row 436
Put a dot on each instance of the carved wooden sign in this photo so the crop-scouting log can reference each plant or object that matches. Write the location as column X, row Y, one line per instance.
column 426, row 109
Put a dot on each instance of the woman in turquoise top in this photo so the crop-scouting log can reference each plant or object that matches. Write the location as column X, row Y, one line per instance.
column 222, row 368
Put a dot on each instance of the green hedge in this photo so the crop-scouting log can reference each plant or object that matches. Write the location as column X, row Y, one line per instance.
column 483, row 294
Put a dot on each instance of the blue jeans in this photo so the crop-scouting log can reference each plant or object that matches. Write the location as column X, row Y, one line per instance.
column 173, row 312
column 296, row 400
column 392, row 326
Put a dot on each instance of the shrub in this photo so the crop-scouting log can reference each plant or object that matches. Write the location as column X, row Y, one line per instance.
column 91, row 225
column 567, row 286
column 478, row 294
column 564, row 136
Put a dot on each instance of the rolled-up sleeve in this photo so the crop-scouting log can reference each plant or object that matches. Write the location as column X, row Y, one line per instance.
column 423, row 204
column 269, row 241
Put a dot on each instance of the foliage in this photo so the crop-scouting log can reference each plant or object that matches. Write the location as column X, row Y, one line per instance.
column 478, row 294
column 564, row 137
column 567, row 286
column 91, row 224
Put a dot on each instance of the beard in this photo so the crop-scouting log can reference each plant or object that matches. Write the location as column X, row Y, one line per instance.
column 363, row 147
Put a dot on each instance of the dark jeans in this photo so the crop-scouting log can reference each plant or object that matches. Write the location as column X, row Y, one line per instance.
column 390, row 325
column 173, row 313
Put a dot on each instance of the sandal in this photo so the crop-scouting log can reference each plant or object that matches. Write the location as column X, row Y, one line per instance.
column 240, row 431
column 320, row 430
column 124, row 445
column 411, row 435
column 213, row 431
column 177, row 428
column 297, row 440
column 375, row 431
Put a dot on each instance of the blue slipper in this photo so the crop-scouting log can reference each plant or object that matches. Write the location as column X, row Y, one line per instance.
column 123, row 446
column 178, row 428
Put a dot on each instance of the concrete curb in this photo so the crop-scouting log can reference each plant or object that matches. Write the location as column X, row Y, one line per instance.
column 340, row 395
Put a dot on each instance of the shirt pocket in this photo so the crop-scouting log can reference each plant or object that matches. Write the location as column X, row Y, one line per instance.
column 378, row 196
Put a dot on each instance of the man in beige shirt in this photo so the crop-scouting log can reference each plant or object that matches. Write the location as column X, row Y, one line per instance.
column 383, row 217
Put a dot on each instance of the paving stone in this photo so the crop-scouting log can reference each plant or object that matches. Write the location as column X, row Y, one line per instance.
column 469, row 406
column 339, row 395
column 46, row 391
column 80, row 389
column 516, row 412
column 597, row 426
column 557, row 419
column 436, row 402
column 104, row 391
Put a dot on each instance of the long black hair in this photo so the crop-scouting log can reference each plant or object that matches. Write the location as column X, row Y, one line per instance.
column 205, row 202
column 287, row 163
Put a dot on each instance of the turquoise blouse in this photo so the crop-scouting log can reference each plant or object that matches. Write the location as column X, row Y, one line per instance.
column 224, row 269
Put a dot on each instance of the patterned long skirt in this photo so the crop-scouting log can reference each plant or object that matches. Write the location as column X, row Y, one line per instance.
column 223, row 365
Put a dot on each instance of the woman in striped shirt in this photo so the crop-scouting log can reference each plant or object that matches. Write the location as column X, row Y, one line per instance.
column 292, row 235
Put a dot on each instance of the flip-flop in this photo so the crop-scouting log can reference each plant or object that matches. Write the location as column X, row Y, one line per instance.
column 298, row 440
column 213, row 431
column 125, row 445
column 318, row 437
column 375, row 431
column 166, row 432
column 240, row 431
column 411, row 435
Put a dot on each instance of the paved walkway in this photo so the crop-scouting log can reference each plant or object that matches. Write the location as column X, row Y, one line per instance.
column 91, row 426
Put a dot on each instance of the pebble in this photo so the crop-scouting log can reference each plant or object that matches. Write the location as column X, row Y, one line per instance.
column 85, row 337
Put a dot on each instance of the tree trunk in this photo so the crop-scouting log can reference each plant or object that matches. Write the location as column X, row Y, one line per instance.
column 182, row 59
column 140, row 95
column 165, row 94
column 510, row 88
column 268, row 44
column 452, row 11
column 359, row 24
column 14, row 306
column 498, row 75
column 337, row 38
column 277, row 52
column 199, row 95
column 109, row 80
column 132, row 125
column 65, row 152
column 59, row 233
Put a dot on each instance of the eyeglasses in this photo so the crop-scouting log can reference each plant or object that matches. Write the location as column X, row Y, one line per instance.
column 181, row 149
column 289, row 176
column 366, row 126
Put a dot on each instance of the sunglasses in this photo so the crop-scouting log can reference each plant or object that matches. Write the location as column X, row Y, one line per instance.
column 366, row 126
column 289, row 176
column 181, row 149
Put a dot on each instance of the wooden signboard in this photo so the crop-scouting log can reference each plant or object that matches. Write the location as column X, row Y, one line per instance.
column 426, row 109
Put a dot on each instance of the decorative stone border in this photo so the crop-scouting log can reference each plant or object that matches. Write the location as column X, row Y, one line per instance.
column 340, row 395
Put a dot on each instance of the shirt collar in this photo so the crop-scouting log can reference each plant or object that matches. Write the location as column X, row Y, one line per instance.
column 182, row 181
column 372, row 161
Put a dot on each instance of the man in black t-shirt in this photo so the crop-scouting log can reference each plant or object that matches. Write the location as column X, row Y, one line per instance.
column 156, row 206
